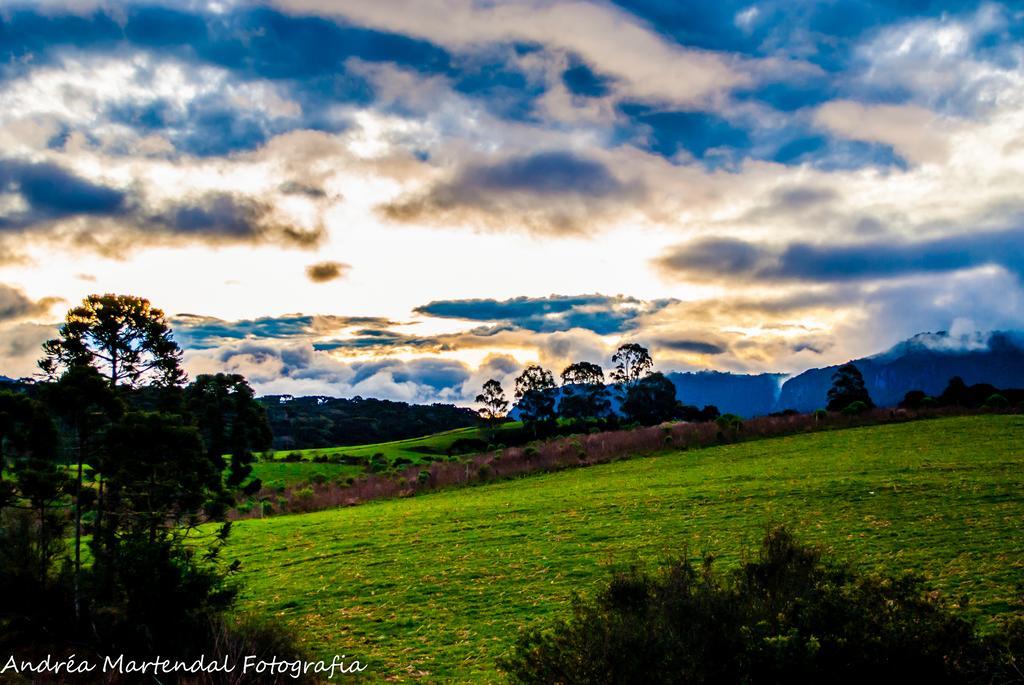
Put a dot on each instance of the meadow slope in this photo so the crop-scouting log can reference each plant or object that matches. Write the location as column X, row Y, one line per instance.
column 437, row 586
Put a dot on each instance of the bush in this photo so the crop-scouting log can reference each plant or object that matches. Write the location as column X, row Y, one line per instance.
column 996, row 401
column 424, row 477
column 855, row 408
column 820, row 414
column 318, row 478
column 788, row 616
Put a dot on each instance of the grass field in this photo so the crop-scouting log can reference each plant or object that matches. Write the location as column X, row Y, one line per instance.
column 411, row 448
column 437, row 586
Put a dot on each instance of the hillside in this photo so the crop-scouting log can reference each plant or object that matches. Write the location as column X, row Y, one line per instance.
column 436, row 586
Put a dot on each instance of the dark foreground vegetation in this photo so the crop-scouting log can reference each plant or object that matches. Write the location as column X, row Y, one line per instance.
column 790, row 615
column 109, row 469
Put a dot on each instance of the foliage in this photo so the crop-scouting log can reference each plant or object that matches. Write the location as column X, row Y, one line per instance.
column 632, row 362
column 321, row 422
column 535, row 394
column 584, row 395
column 651, row 400
column 789, row 615
column 494, row 404
column 231, row 423
column 847, row 388
column 122, row 336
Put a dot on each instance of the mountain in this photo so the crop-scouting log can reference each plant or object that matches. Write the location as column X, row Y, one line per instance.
column 732, row 393
column 925, row 362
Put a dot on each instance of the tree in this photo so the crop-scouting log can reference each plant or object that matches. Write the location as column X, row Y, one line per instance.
column 652, row 400
column 956, row 394
column 122, row 336
column 232, row 423
column 847, row 388
column 632, row 362
column 535, row 395
column 584, row 395
column 494, row 404
column 86, row 404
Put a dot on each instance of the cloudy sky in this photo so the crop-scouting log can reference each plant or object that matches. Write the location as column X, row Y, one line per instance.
column 405, row 198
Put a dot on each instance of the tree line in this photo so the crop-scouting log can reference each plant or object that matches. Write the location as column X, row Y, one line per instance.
column 644, row 396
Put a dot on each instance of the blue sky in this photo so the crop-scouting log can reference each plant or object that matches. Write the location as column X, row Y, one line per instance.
column 404, row 199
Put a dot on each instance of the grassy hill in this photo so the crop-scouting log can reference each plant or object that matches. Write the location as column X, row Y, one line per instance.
column 437, row 586
column 412, row 450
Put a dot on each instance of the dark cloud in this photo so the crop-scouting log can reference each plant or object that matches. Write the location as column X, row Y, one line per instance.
column 51, row 192
column 15, row 304
column 602, row 314
column 322, row 272
column 232, row 218
column 698, row 346
column 376, row 340
column 554, row 192
column 711, row 257
column 728, row 258
column 300, row 188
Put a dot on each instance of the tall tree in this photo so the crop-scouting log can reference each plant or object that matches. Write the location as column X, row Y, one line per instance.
column 494, row 404
column 632, row 363
column 122, row 336
column 86, row 404
column 584, row 395
column 848, row 387
column 535, row 395
column 232, row 423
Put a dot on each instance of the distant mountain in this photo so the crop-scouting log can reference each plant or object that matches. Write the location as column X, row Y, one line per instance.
column 743, row 394
column 925, row 362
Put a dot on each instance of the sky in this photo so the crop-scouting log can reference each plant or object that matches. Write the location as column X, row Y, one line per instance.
column 403, row 199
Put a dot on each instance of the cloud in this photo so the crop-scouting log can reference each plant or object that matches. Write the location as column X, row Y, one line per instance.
column 603, row 314
column 49, row 192
column 275, row 367
column 696, row 346
column 42, row 196
column 202, row 332
column 549, row 192
column 15, row 304
column 643, row 63
column 711, row 259
column 914, row 132
column 322, row 272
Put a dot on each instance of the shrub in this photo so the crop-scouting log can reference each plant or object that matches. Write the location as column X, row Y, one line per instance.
column 820, row 414
column 424, row 477
column 318, row 478
column 530, row 453
column 303, row 494
column 787, row 616
column 855, row 408
column 996, row 401
column 293, row 457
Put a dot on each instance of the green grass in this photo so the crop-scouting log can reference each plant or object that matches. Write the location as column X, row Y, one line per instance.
column 288, row 474
column 411, row 448
column 437, row 586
